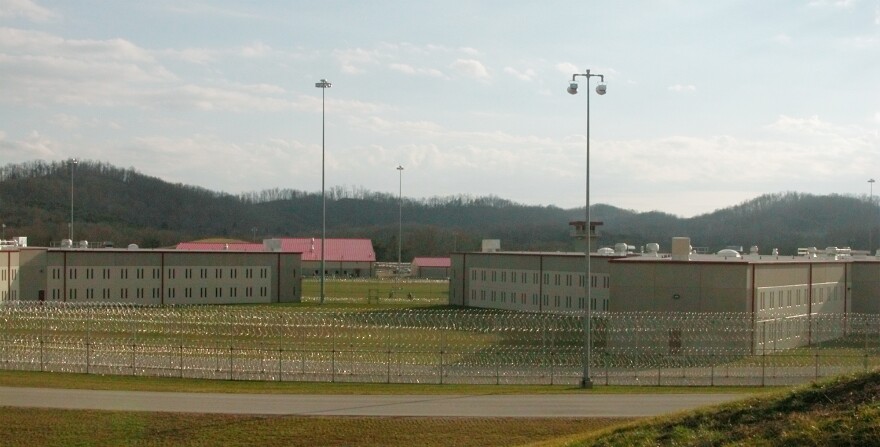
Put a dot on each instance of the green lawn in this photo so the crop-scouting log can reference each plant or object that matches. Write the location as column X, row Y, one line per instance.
column 380, row 290
column 42, row 427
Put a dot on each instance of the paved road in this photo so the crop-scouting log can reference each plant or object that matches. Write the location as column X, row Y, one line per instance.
column 554, row 405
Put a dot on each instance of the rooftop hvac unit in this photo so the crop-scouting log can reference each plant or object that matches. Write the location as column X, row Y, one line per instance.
column 681, row 249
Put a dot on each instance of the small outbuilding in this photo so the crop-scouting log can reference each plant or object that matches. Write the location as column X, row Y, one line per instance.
column 431, row 268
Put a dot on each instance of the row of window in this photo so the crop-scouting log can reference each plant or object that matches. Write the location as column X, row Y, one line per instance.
column 779, row 299
column 139, row 293
column 496, row 296
column 156, row 273
column 12, row 276
column 556, row 279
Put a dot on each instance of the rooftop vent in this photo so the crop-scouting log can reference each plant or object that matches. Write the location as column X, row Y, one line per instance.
column 729, row 253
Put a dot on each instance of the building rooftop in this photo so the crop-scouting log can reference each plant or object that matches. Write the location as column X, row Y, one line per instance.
column 432, row 262
column 337, row 250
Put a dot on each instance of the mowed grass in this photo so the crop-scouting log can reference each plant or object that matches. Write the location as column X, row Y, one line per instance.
column 840, row 411
column 386, row 290
column 45, row 427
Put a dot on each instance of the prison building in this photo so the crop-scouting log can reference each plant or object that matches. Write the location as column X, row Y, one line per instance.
column 528, row 281
column 785, row 295
column 344, row 258
column 157, row 277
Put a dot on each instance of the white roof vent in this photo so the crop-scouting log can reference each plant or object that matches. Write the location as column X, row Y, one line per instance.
column 605, row 251
column 753, row 250
column 133, row 247
column 729, row 253
column 623, row 249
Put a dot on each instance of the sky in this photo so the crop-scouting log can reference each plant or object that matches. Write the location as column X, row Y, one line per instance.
column 708, row 104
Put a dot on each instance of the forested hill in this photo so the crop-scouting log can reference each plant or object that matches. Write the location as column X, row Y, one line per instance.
column 124, row 206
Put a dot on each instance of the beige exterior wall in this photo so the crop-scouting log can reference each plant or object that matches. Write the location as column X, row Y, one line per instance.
column 161, row 277
column 534, row 282
column 670, row 286
column 865, row 280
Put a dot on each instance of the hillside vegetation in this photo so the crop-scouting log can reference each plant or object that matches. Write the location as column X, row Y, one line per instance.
column 843, row 411
column 125, row 206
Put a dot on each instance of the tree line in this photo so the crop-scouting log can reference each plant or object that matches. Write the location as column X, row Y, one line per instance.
column 125, row 206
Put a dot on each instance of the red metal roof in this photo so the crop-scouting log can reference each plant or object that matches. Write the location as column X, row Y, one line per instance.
column 432, row 262
column 351, row 250
column 338, row 250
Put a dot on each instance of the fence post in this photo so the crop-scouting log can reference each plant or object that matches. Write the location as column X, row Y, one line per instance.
column 280, row 355
column 865, row 337
column 817, row 365
column 333, row 352
column 442, row 349
column 180, row 360
column 712, row 376
column 763, row 352
column 88, row 339
column 230, row 362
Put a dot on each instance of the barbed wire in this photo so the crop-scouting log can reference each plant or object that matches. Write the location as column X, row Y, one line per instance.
column 428, row 343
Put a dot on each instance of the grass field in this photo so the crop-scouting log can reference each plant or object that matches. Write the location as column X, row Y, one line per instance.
column 840, row 411
column 29, row 427
column 380, row 290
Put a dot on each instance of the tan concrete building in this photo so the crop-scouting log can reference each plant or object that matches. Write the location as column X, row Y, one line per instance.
column 528, row 281
column 784, row 294
column 158, row 277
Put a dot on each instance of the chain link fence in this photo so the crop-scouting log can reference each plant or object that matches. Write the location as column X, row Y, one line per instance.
column 470, row 346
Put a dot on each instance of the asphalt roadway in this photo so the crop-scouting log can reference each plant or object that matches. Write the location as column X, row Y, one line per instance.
column 522, row 406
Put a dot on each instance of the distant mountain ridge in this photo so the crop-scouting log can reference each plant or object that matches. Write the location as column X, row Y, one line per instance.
column 125, row 206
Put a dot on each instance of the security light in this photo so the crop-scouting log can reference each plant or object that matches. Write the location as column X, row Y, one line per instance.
column 573, row 88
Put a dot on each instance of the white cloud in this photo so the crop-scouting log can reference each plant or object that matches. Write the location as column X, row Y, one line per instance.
column 28, row 9
column 525, row 75
column 410, row 70
column 33, row 147
column 782, row 39
column 682, row 88
column 41, row 69
column 353, row 60
column 840, row 4
column 256, row 49
column 471, row 68
column 567, row 68
column 192, row 55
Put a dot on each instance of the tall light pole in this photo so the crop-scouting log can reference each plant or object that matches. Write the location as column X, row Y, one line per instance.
column 871, row 220
column 399, row 215
column 73, row 163
column 586, row 381
column 323, row 85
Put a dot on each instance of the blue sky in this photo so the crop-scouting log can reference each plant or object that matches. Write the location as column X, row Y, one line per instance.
column 709, row 103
